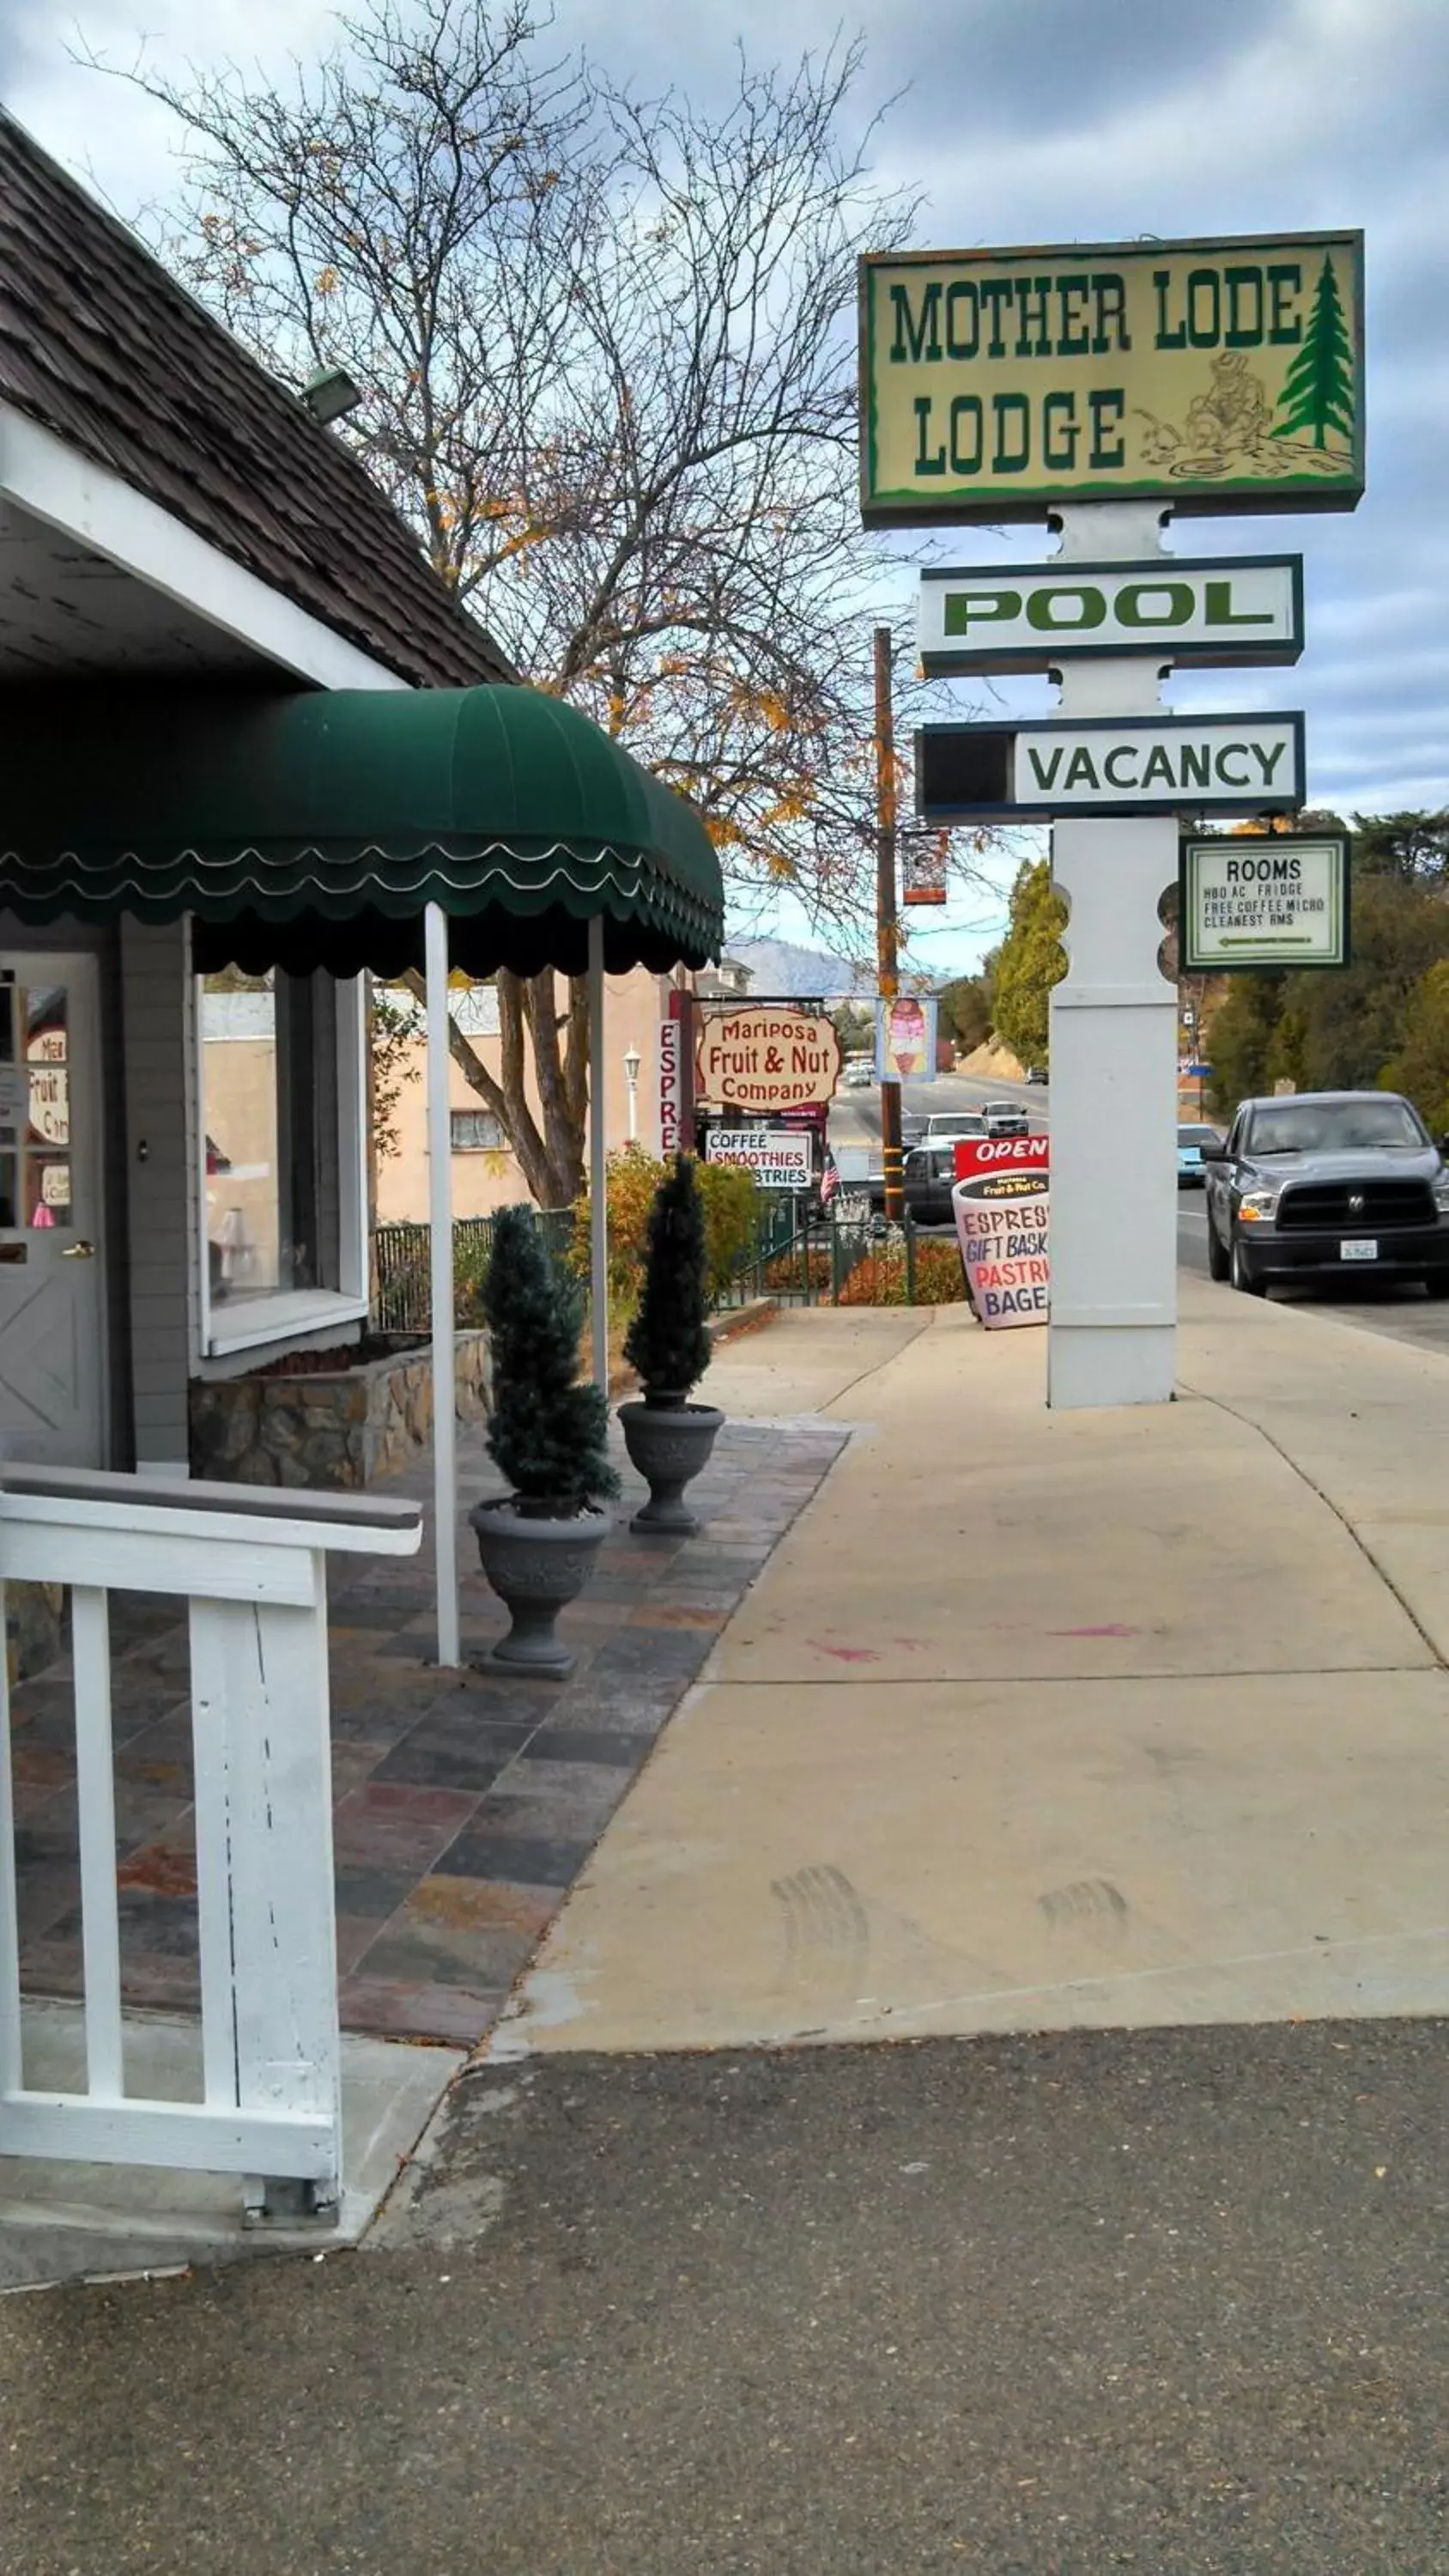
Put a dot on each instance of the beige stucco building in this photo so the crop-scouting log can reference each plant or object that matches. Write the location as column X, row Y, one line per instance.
column 486, row 1172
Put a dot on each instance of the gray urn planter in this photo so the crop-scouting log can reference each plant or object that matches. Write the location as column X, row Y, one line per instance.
column 669, row 1444
column 536, row 1567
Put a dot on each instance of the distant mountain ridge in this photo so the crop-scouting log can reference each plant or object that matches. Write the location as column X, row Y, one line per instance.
column 781, row 971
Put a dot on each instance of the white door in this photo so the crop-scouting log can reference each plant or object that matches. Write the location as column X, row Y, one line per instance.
column 52, row 1365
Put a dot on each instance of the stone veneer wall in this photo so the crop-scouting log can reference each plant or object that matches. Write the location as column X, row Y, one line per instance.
column 338, row 1431
column 35, row 1627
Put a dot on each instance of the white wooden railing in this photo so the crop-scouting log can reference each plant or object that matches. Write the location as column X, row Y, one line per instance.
column 252, row 1566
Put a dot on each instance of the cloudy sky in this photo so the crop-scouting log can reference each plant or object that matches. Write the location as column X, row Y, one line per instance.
column 1040, row 121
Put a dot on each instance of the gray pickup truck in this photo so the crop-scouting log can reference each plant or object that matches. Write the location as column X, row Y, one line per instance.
column 1327, row 1185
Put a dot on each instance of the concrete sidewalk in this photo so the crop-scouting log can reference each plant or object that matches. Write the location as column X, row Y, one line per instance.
column 1048, row 1720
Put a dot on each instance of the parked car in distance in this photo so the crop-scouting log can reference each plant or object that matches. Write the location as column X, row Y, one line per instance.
column 1326, row 1185
column 929, row 1174
column 952, row 1122
column 1036, row 1073
column 1006, row 1118
column 859, row 1073
column 1190, row 1142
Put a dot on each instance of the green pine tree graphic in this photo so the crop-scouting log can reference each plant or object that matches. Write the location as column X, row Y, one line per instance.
column 1318, row 389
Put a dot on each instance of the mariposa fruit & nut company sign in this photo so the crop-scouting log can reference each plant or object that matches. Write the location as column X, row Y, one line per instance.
column 1221, row 376
column 1269, row 900
column 1032, row 617
column 764, row 1057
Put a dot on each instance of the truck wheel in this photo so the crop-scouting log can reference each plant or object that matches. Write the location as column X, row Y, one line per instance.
column 1217, row 1252
column 1242, row 1277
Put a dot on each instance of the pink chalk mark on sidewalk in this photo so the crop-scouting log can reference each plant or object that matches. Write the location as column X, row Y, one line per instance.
column 846, row 1654
column 1114, row 1628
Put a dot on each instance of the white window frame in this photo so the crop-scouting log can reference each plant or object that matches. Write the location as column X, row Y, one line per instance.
column 248, row 1323
column 455, row 1114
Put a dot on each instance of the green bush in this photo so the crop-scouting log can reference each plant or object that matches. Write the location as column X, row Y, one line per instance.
column 547, row 1433
column 667, row 1345
column 728, row 1197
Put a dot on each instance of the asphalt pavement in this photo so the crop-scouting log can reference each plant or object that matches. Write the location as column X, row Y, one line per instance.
column 1404, row 1314
column 1167, row 2301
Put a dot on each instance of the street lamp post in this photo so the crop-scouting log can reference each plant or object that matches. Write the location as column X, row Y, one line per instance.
column 631, row 1076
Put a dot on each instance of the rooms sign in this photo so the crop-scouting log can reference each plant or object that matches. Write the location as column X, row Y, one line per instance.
column 1219, row 376
column 1032, row 617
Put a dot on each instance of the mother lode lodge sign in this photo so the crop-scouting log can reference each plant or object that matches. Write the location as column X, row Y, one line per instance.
column 766, row 1057
column 1220, row 375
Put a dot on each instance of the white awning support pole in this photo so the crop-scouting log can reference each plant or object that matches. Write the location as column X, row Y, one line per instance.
column 440, row 1247
column 598, row 1158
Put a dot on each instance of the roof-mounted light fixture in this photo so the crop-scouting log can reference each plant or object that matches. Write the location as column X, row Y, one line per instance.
column 328, row 393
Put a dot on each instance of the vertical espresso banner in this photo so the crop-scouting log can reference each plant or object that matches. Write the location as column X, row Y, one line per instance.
column 671, row 1088
column 1002, row 1205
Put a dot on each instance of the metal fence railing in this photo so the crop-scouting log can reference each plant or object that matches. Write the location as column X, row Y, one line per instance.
column 402, row 1297
column 845, row 1255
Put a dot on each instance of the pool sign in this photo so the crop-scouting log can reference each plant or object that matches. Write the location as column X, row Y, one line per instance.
column 1031, row 617
column 1263, row 901
column 1001, row 1202
column 1244, row 764
column 1222, row 376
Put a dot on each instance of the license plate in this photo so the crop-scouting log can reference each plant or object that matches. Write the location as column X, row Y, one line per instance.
column 1359, row 1247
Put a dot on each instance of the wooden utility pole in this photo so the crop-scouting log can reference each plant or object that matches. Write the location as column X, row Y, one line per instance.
column 886, row 927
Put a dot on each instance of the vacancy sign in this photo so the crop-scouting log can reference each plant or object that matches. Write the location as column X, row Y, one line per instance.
column 1221, row 376
column 1001, row 1203
column 1032, row 617
column 1269, row 901
column 1246, row 764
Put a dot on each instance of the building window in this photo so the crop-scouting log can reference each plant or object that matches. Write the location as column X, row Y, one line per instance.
column 477, row 1131
column 280, row 1115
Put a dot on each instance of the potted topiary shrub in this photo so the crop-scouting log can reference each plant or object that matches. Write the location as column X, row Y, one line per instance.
column 548, row 1434
column 668, row 1438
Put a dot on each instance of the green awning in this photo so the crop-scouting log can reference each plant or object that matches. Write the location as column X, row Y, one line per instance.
column 312, row 830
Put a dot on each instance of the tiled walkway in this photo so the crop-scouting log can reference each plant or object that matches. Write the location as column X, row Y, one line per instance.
column 464, row 1804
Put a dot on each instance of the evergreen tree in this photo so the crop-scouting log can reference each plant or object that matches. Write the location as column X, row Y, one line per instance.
column 1421, row 1067
column 667, row 1344
column 1318, row 389
column 546, row 1432
column 1029, row 962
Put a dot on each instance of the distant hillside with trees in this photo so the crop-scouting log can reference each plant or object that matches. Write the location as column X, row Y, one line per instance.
column 1381, row 1022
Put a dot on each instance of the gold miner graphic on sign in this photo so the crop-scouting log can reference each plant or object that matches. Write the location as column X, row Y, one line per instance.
column 1221, row 376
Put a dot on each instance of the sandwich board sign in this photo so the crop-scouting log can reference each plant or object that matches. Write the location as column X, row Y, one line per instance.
column 1270, row 900
column 1217, row 376
column 1110, row 765
column 1001, row 1202
column 1236, row 610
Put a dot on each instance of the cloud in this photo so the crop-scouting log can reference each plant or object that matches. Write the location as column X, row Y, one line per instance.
column 1047, row 120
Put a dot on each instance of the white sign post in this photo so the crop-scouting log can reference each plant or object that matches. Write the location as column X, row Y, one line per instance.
column 1112, row 1330
column 1206, row 376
